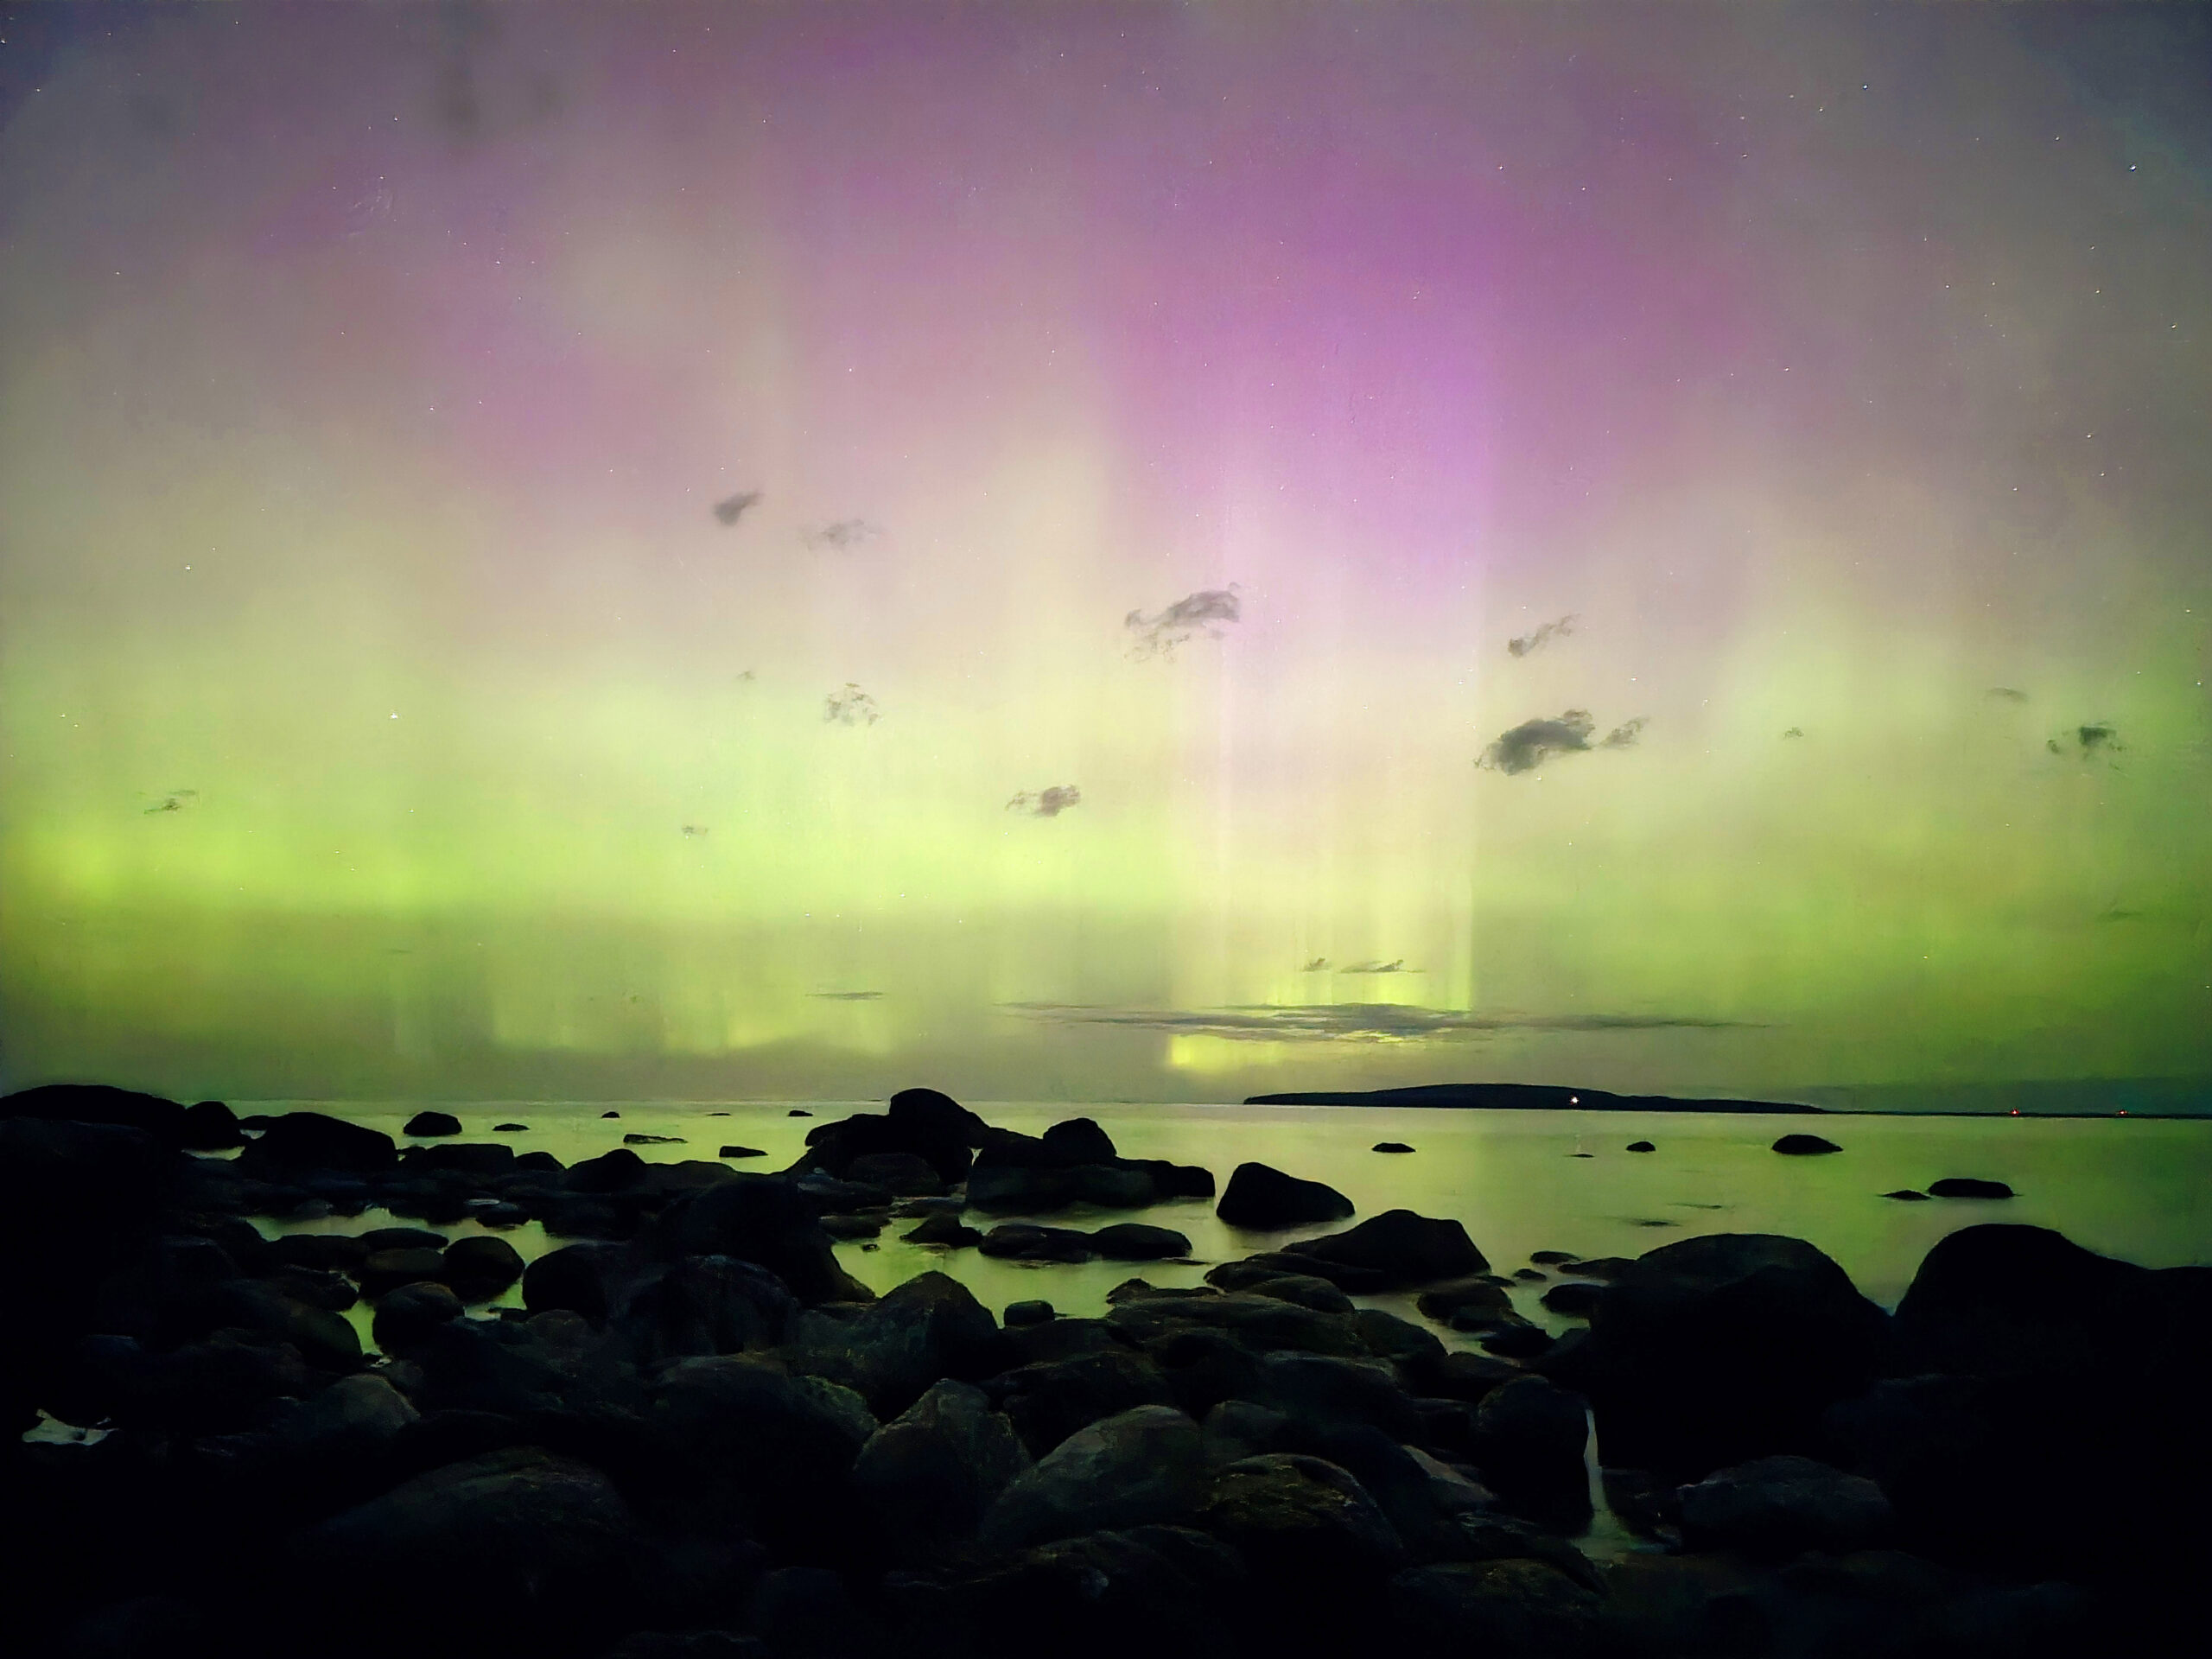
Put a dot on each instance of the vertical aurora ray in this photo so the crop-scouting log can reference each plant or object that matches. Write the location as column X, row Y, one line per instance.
column 367, row 384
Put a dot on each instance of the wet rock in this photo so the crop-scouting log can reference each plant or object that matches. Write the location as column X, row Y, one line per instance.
column 942, row 1229
column 97, row 1102
column 1402, row 1250
column 634, row 1139
column 1966, row 1187
column 401, row 1238
column 1391, row 1145
column 1529, row 1436
column 407, row 1315
column 741, row 1152
column 746, row 1418
column 1531, row 1275
column 387, row 1270
column 1165, row 1591
column 1262, row 1197
column 354, row 1415
column 1801, row 1145
column 798, row 1111
column 1026, row 1241
column 542, row 1543
column 332, row 1291
column 480, row 1268
column 1907, row 1194
column 1640, row 1145
column 1720, row 1349
column 1574, row 1300
column 1079, row 1141
column 1328, row 1390
column 1131, row 1469
column 575, row 1277
column 1513, row 1338
column 891, row 1351
column 2003, row 1299
column 1306, row 1528
column 1025, row 1313
column 1457, row 1375
column 1500, row 1609
column 311, row 1142
column 1304, row 1289
column 1778, row 1506
column 918, row 1123
column 1048, row 1401
column 1446, row 1302
column 1388, row 1337
column 511, row 1129
column 929, row 1476
column 1259, row 1323
column 763, row 1218
column 319, row 1252
column 1598, row 1267
column 699, row 1304
column 428, row 1122
column 861, row 1225
column 1131, row 1241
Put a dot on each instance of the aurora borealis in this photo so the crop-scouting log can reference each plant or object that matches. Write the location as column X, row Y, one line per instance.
column 1183, row 442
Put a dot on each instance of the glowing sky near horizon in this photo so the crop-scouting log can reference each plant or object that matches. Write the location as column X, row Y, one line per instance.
column 370, row 375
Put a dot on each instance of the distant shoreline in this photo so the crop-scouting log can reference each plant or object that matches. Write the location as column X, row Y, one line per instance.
column 1526, row 1096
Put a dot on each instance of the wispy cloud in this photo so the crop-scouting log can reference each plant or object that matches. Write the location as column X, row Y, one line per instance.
column 1397, row 967
column 2006, row 694
column 1528, row 746
column 846, row 996
column 1543, row 637
column 850, row 707
column 1349, row 1021
column 1046, row 803
column 732, row 508
column 1185, row 620
column 843, row 535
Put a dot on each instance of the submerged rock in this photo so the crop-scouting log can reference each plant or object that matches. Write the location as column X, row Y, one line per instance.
column 1907, row 1194
column 1640, row 1145
column 1391, row 1145
column 1262, row 1198
column 1966, row 1187
column 427, row 1122
column 941, row 1230
column 1805, row 1145
column 1396, row 1250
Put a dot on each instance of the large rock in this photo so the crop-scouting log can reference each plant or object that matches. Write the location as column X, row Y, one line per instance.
column 431, row 1122
column 480, row 1266
column 928, row 1328
column 1530, row 1438
column 1050, row 1400
column 696, row 1306
column 1134, row 1468
column 1511, row 1609
column 2006, row 1299
column 1300, row 1523
column 929, row 1476
column 1071, row 1163
column 577, row 1277
column 99, row 1103
column 519, row 1541
column 1262, row 1197
column 919, row 1123
column 1780, row 1506
column 1162, row 1591
column 763, row 1218
column 354, row 1415
column 1402, row 1249
column 1722, row 1349
column 744, row 1417
column 299, row 1143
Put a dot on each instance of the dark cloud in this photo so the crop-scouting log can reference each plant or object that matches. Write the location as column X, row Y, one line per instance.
column 846, row 996
column 1543, row 637
column 1528, row 745
column 730, row 511
column 844, row 535
column 2006, row 694
column 175, row 801
column 1794, row 731
column 850, row 707
column 745, row 676
column 693, row 830
column 1355, row 1021
column 1046, row 803
column 1318, row 965
column 1185, row 620
column 2099, row 737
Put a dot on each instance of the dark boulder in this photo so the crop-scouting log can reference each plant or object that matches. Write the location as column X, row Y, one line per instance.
column 1132, row 1241
column 1401, row 1249
column 1529, row 1437
column 1908, row 1195
column 902, row 1174
column 511, row 1129
column 1047, row 1400
column 387, row 1270
column 1640, row 1145
column 741, row 1152
column 1026, row 1241
column 920, row 1123
column 1966, row 1187
column 1265, row 1279
column 1391, row 1145
column 353, row 1416
column 1800, row 1145
column 893, row 1349
column 746, row 1418
column 763, row 1218
column 1722, row 1349
column 542, row 1544
column 427, row 1122
column 1079, row 1140
column 1575, row 1301
column 635, row 1139
column 698, row 1304
column 1306, row 1528
column 1598, row 1267
column 1026, row 1314
column 1329, row 1391
column 1130, row 1470
column 928, row 1476
column 1165, row 1591
column 1262, row 1197
column 310, row 1142
column 407, row 1315
column 949, row 1231
column 2002, row 1298
column 480, row 1266
column 576, row 1277
column 1481, row 1297
column 99, row 1103
column 1778, row 1506
column 1512, row 1609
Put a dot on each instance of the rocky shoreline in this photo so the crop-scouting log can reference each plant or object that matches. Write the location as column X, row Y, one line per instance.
column 699, row 1435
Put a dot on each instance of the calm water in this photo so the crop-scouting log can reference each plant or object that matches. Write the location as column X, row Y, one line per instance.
column 2136, row 1188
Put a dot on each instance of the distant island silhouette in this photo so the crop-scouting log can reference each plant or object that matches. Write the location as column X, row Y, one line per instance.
column 1523, row 1096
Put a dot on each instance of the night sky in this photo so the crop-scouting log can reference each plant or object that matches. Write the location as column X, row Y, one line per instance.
column 1103, row 552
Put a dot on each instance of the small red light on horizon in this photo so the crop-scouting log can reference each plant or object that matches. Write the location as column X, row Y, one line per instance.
column 2016, row 1111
